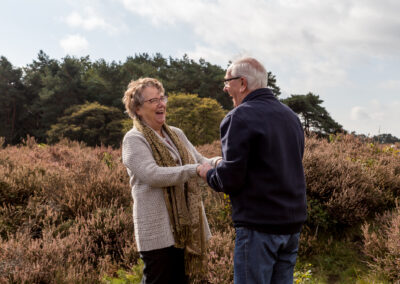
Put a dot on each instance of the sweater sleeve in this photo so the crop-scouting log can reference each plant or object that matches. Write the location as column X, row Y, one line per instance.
column 138, row 158
column 229, row 175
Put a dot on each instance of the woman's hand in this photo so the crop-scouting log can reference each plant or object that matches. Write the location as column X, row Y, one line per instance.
column 202, row 170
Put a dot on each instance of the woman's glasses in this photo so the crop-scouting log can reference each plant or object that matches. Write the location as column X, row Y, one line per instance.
column 163, row 99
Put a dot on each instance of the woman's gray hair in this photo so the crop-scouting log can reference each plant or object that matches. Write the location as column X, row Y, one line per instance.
column 133, row 97
column 252, row 70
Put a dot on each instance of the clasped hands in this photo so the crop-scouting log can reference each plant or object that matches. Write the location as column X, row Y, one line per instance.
column 202, row 170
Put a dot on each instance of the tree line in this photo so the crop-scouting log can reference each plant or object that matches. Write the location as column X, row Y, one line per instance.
column 80, row 99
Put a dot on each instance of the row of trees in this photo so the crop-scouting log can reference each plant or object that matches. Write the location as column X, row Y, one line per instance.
column 80, row 99
column 33, row 98
column 385, row 138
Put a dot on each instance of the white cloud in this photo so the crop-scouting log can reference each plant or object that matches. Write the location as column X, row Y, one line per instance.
column 89, row 20
column 377, row 117
column 390, row 85
column 166, row 12
column 207, row 53
column 88, row 23
column 377, row 110
column 74, row 44
column 359, row 113
column 316, row 41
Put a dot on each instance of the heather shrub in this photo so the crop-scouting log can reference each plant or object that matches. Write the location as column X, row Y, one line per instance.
column 382, row 244
column 210, row 150
column 218, row 210
column 220, row 256
column 65, row 213
column 309, row 242
column 348, row 181
column 69, row 177
column 78, row 252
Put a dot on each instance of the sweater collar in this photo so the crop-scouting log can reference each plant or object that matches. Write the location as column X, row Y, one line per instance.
column 257, row 93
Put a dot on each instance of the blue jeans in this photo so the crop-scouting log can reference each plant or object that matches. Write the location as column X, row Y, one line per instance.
column 262, row 258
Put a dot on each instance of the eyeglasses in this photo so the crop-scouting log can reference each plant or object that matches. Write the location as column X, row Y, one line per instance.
column 153, row 101
column 226, row 81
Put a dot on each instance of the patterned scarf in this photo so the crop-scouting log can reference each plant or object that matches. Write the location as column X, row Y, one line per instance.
column 184, row 204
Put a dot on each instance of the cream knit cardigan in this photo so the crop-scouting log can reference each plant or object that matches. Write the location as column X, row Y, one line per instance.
column 150, row 216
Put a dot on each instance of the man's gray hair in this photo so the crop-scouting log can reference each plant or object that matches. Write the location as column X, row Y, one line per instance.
column 252, row 70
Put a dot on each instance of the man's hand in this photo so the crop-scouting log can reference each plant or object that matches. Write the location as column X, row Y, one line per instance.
column 202, row 170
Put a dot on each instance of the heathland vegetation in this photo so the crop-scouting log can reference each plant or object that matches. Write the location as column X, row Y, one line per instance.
column 66, row 215
column 65, row 204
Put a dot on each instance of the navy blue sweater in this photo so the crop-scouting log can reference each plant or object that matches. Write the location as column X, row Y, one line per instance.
column 262, row 148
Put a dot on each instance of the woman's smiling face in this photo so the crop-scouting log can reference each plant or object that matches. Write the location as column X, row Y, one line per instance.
column 153, row 113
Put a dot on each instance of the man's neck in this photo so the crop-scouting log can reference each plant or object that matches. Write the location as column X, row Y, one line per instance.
column 242, row 95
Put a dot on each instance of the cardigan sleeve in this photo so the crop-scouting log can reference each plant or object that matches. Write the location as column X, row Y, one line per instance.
column 138, row 158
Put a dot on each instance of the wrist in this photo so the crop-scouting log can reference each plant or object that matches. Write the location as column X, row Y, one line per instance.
column 198, row 170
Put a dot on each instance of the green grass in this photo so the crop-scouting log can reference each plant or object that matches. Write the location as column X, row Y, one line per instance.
column 124, row 277
column 337, row 262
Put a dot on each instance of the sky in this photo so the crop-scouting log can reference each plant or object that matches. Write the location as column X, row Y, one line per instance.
column 345, row 51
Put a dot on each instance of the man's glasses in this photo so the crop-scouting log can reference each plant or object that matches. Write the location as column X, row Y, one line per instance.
column 163, row 99
column 226, row 81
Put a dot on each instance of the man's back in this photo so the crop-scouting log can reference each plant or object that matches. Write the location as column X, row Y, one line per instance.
column 263, row 143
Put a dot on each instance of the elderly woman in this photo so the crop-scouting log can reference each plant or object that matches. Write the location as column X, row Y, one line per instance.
column 170, row 225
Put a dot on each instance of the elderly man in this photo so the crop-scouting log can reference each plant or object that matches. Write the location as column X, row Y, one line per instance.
column 261, row 170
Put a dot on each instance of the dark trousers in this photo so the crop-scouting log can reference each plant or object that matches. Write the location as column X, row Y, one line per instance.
column 163, row 266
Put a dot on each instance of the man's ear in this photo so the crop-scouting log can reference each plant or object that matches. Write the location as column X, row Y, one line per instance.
column 243, row 87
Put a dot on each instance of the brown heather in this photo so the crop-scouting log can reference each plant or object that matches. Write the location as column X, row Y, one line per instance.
column 66, row 210
column 65, row 214
column 382, row 244
column 349, row 181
